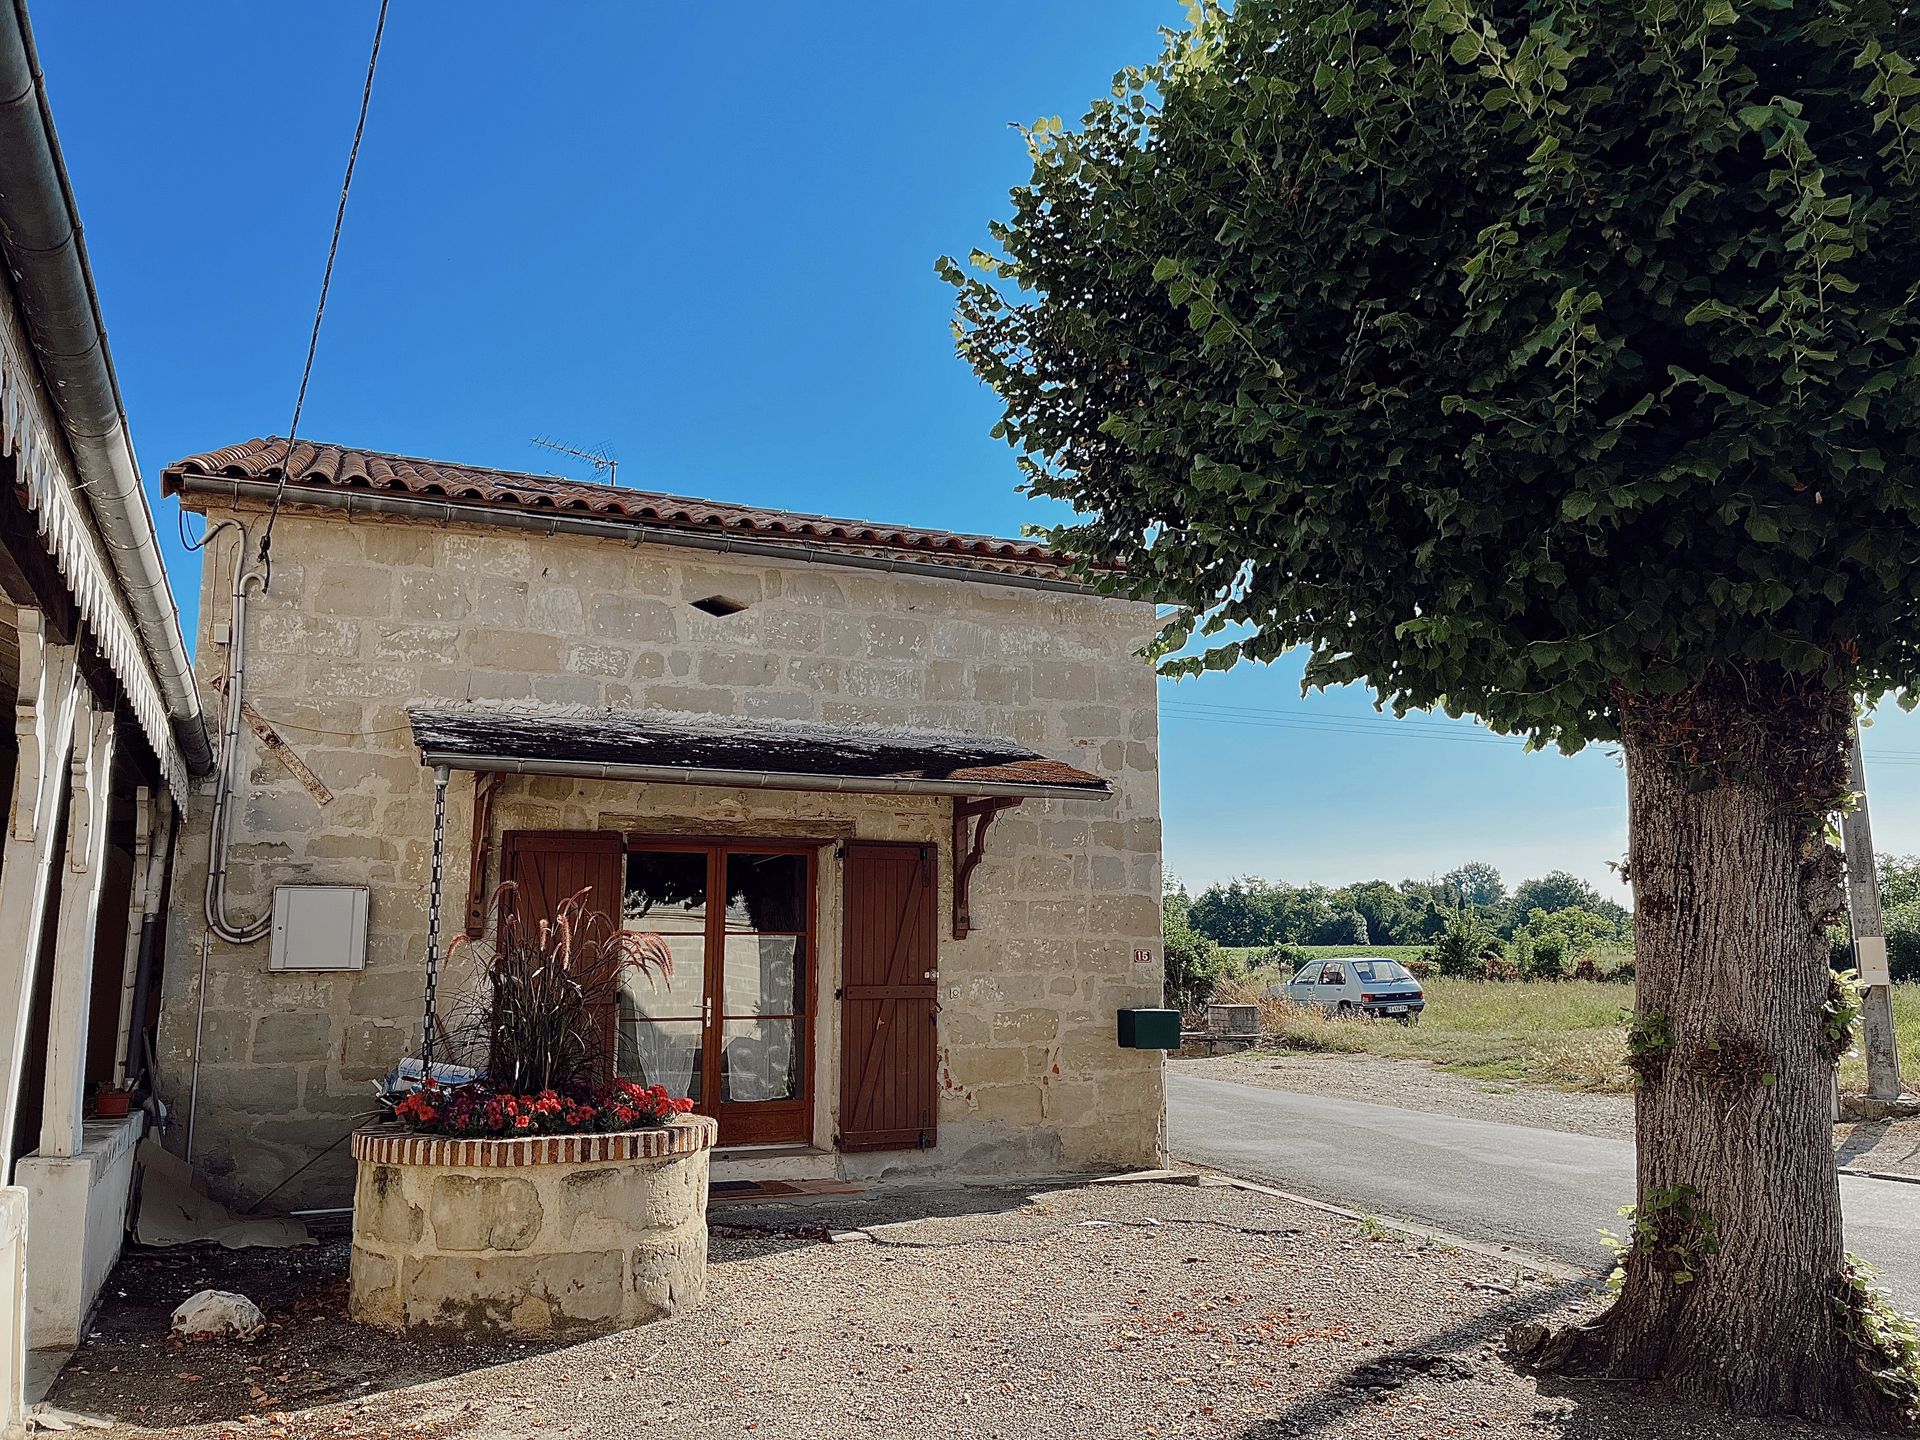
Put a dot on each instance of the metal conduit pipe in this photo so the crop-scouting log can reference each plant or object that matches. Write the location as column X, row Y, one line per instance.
column 234, row 488
column 48, row 257
column 233, row 932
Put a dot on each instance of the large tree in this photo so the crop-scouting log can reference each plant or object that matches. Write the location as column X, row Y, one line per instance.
column 1556, row 363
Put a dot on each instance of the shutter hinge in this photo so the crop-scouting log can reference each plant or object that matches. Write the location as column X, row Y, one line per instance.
column 923, row 1137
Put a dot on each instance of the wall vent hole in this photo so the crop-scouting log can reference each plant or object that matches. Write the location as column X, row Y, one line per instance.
column 720, row 605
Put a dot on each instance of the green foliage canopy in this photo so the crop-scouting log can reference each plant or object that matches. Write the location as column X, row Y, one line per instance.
column 1559, row 890
column 1193, row 961
column 1515, row 356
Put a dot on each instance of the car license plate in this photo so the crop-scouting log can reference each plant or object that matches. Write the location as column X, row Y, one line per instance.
column 1396, row 1009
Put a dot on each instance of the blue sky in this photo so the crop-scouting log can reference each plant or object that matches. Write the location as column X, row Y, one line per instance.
column 704, row 237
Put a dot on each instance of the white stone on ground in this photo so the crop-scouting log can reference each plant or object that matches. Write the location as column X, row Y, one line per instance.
column 217, row 1315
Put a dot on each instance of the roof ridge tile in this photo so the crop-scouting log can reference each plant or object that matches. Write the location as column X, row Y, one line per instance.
column 318, row 463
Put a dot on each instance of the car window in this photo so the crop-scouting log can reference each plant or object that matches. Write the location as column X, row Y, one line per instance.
column 1334, row 975
column 1378, row 972
column 1307, row 974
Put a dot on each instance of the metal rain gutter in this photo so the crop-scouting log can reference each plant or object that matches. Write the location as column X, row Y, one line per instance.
column 757, row 779
column 62, row 313
column 450, row 512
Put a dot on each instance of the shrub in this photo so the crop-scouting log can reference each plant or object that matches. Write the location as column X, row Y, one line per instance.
column 1494, row 966
column 1546, row 958
column 1195, row 963
column 1903, row 941
column 1347, row 928
column 1470, row 953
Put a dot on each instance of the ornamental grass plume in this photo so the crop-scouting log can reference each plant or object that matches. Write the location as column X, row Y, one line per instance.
column 545, row 1023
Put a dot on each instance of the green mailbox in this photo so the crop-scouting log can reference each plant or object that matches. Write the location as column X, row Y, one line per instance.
column 1149, row 1029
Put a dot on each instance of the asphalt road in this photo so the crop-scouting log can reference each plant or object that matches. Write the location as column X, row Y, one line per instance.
column 1537, row 1190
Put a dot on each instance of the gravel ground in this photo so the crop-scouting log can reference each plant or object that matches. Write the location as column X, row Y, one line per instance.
column 1888, row 1147
column 1419, row 1085
column 1080, row 1311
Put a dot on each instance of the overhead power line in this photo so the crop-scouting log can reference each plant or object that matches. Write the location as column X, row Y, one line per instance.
column 326, row 284
column 1415, row 728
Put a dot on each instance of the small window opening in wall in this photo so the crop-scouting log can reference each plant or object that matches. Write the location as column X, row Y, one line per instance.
column 720, row 605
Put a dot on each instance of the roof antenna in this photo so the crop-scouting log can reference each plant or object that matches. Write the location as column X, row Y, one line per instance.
column 598, row 458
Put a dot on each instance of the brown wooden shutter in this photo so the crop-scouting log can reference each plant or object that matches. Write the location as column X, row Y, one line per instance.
column 549, row 866
column 889, row 1057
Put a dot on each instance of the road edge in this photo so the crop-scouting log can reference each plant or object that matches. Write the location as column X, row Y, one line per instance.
column 1506, row 1254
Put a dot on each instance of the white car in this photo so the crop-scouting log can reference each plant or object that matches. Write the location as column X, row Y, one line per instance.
column 1359, row 985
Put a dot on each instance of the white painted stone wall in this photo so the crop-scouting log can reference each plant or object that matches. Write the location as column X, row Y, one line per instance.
column 13, row 1307
column 77, row 1206
column 368, row 615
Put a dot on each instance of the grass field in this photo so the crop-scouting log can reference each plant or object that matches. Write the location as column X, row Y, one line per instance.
column 1906, row 1031
column 1570, row 1035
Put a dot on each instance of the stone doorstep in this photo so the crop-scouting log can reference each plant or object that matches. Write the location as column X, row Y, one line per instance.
column 745, row 1164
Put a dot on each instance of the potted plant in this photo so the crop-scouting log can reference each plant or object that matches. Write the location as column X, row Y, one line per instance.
column 549, row 1195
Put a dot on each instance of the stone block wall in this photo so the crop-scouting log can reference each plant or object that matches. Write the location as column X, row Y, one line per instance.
column 368, row 615
column 496, row 1238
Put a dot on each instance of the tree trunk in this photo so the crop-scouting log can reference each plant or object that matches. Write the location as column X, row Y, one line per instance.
column 1737, row 1261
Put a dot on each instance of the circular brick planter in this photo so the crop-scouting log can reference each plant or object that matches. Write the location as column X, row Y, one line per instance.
column 558, row 1234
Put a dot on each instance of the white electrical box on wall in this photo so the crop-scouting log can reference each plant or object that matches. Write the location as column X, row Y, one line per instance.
column 319, row 927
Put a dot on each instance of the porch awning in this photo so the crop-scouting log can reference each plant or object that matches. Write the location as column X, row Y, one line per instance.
column 673, row 747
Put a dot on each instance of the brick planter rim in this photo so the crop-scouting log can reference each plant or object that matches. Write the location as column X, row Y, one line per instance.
column 392, row 1145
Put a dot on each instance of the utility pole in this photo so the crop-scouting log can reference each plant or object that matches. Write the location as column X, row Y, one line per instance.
column 1869, row 932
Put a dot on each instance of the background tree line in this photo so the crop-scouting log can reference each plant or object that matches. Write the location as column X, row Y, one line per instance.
column 1467, row 922
column 1249, row 911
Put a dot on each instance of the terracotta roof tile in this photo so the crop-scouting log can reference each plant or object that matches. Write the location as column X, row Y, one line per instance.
column 339, row 467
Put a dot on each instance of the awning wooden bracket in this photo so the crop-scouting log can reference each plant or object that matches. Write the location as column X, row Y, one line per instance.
column 970, row 821
column 486, row 783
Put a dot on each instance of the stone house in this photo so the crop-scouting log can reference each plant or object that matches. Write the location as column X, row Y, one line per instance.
column 890, row 795
column 105, row 737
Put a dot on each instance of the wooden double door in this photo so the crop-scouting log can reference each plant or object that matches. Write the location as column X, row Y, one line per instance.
column 733, row 1027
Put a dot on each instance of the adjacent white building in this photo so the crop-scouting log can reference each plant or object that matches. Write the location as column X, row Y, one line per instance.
column 95, row 767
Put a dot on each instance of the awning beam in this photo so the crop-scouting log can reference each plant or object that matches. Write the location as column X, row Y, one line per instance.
column 755, row 779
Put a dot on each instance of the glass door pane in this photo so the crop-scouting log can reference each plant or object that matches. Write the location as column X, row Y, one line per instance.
column 762, row 992
column 662, row 1019
column 761, row 1060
